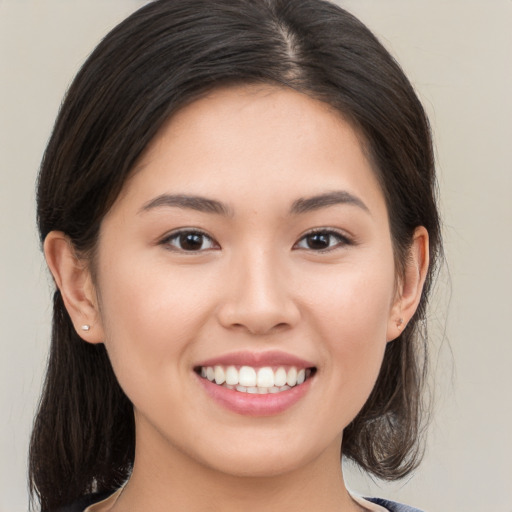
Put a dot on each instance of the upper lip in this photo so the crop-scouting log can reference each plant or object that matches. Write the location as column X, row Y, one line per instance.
column 257, row 359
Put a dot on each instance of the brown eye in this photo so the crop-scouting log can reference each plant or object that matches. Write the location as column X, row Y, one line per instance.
column 318, row 241
column 190, row 241
column 322, row 240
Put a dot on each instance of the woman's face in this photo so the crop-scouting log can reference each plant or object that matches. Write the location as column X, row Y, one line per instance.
column 251, row 243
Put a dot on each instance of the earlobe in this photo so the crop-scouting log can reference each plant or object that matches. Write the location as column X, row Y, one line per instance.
column 411, row 287
column 73, row 279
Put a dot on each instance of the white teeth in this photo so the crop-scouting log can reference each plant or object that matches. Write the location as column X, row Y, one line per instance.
column 247, row 376
column 220, row 376
column 231, row 376
column 265, row 377
column 280, row 377
column 255, row 380
column 291, row 377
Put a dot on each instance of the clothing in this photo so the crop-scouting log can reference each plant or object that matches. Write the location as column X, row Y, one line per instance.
column 86, row 503
column 392, row 506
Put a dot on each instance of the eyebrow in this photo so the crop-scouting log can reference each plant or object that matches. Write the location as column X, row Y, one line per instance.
column 198, row 203
column 206, row 205
column 308, row 204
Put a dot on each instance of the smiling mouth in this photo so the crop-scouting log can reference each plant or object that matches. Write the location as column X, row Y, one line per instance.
column 256, row 380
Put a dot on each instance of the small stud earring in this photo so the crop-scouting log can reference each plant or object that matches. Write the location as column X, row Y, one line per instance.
column 399, row 323
column 86, row 327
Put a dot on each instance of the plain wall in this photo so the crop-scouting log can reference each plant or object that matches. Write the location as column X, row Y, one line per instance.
column 458, row 55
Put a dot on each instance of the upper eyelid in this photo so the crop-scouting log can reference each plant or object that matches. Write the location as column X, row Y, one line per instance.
column 178, row 231
column 340, row 232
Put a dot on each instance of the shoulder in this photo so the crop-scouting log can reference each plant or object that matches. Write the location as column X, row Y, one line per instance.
column 392, row 506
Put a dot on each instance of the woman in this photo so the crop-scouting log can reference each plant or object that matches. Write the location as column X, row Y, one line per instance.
column 237, row 206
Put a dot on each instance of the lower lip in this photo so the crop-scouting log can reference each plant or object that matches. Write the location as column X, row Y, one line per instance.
column 250, row 404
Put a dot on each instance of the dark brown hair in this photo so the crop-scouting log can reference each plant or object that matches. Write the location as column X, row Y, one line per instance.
column 162, row 57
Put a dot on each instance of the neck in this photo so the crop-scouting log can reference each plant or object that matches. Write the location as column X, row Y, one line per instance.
column 178, row 482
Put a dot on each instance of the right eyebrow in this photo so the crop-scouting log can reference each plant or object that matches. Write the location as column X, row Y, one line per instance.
column 308, row 204
column 198, row 203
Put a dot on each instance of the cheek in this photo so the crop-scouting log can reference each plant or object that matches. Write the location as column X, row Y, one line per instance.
column 150, row 319
column 352, row 320
column 354, row 302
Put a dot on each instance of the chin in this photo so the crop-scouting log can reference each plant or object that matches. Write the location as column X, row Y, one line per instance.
column 264, row 458
column 255, row 465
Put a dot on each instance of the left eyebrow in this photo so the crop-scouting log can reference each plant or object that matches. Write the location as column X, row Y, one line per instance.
column 308, row 204
column 198, row 203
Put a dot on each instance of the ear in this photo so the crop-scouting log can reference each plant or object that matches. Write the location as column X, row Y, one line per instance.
column 73, row 278
column 411, row 285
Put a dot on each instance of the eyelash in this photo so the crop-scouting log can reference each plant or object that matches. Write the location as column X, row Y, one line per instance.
column 176, row 236
column 342, row 240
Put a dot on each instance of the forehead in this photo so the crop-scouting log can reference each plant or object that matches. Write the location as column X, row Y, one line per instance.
column 261, row 141
column 252, row 115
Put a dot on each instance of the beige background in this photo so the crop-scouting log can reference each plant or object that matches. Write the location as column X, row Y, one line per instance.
column 459, row 56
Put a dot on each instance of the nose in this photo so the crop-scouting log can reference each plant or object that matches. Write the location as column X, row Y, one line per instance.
column 258, row 296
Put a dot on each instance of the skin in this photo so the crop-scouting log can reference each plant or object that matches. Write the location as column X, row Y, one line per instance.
column 255, row 284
